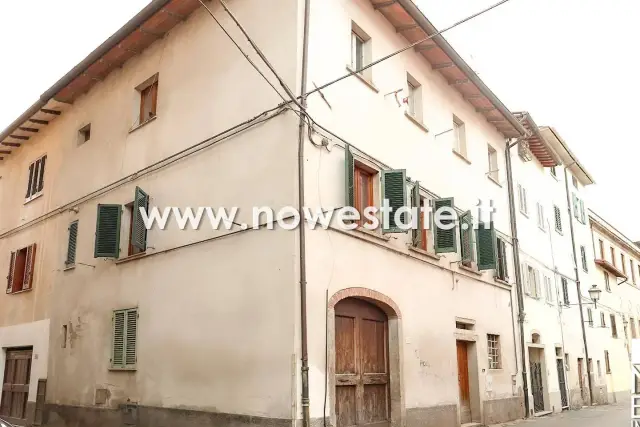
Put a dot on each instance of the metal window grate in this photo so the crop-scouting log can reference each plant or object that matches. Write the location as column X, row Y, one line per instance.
column 493, row 350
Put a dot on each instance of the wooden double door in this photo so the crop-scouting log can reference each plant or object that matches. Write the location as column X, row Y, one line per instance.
column 15, row 387
column 462, row 354
column 362, row 365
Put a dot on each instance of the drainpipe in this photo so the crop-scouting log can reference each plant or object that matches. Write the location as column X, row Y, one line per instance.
column 517, row 272
column 575, row 267
column 302, row 243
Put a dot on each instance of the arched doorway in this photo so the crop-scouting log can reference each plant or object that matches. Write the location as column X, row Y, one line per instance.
column 362, row 392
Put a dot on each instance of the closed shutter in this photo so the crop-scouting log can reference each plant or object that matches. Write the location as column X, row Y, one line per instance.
column 583, row 254
column 558, row 217
column 525, row 278
column 43, row 161
column 537, row 278
column 30, row 183
column 12, row 265
column 29, row 267
column 582, row 216
column 349, row 171
column 486, row 246
column 117, row 357
column 416, row 233
column 466, row 237
column 138, row 229
column 576, row 212
column 394, row 190
column 125, row 336
column 445, row 232
column 73, row 242
column 502, row 272
column 107, row 244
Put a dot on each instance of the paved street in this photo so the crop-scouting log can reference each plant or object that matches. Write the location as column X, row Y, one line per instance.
column 617, row 415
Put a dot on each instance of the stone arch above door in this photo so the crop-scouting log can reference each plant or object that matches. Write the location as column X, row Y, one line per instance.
column 376, row 298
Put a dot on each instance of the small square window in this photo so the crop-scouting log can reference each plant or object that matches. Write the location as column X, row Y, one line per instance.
column 459, row 137
column 148, row 99
column 84, row 134
column 493, row 163
column 360, row 51
column 493, row 350
column 36, row 178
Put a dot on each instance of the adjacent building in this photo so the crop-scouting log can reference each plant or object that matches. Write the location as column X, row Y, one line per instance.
column 107, row 322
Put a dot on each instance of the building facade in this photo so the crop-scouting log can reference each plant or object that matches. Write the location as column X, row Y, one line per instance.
column 107, row 322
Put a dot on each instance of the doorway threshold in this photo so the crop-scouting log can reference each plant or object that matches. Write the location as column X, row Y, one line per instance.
column 471, row 425
column 542, row 413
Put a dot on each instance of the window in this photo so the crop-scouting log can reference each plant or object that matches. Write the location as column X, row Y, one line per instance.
column 421, row 239
column 493, row 163
column 533, row 280
column 633, row 272
column 459, row 137
column 565, row 291
column 21, row 267
column 109, row 218
column 623, row 263
column 590, row 317
column 583, row 256
column 125, row 339
column 72, row 244
column 84, row 134
column 553, row 171
column 502, row 271
column 607, row 363
column 558, row 217
column 36, row 178
column 363, row 190
column 574, row 181
column 614, row 329
column 601, row 245
column 548, row 290
column 607, row 285
column 148, row 99
column 360, row 51
column 603, row 323
column 493, row 350
column 613, row 256
column 540, row 216
column 414, row 98
column 64, row 336
column 566, row 361
column 522, row 199
column 632, row 322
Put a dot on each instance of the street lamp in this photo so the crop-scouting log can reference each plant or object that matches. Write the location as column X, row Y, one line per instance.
column 594, row 294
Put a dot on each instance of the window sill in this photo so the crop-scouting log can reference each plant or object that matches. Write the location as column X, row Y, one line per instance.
column 131, row 258
column 134, row 369
column 542, row 229
column 559, row 232
column 416, row 121
column 372, row 233
column 494, row 180
column 470, row 269
column 421, row 251
column 462, row 156
column 364, row 80
column 69, row 267
column 502, row 281
column 33, row 197
column 524, row 213
column 20, row 292
column 146, row 122
column 496, row 370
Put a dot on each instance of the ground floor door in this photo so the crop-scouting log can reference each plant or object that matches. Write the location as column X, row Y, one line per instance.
column 562, row 383
column 581, row 377
column 15, row 387
column 463, row 381
column 362, row 368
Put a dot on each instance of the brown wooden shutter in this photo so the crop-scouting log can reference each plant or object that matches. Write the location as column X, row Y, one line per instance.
column 12, row 265
column 29, row 267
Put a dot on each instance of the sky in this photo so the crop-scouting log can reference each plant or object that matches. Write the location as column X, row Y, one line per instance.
column 571, row 63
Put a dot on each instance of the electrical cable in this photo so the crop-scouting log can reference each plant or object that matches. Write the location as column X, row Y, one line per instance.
column 414, row 44
column 228, row 133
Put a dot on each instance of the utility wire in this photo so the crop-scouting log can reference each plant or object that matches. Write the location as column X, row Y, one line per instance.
column 384, row 58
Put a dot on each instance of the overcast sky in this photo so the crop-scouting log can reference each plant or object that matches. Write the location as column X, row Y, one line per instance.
column 571, row 63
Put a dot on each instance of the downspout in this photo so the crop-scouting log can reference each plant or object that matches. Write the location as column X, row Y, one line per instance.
column 575, row 267
column 518, row 273
column 302, row 248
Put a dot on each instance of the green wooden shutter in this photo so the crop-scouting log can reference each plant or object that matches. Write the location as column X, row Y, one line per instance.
column 107, row 244
column 349, row 170
column 118, row 344
column 445, row 240
column 138, row 230
column 486, row 246
column 394, row 190
column 575, row 206
column 466, row 237
column 125, row 337
column 72, row 244
column 582, row 216
column 131, row 339
column 416, row 233
column 12, row 265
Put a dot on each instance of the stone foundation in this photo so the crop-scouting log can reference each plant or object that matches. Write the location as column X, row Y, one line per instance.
column 435, row 416
column 503, row 410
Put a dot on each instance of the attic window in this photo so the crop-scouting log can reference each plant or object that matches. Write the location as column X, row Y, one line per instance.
column 148, row 92
column 84, row 134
